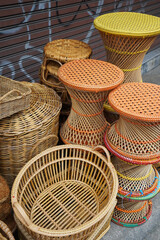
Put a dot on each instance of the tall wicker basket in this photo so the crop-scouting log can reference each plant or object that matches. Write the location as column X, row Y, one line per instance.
column 66, row 192
column 22, row 132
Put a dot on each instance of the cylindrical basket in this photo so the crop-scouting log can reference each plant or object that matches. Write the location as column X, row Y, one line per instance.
column 30, row 131
column 56, row 53
column 66, row 192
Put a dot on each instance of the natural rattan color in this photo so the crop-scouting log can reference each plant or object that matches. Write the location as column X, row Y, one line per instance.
column 14, row 97
column 66, row 192
column 20, row 134
column 87, row 82
column 5, row 207
column 6, row 232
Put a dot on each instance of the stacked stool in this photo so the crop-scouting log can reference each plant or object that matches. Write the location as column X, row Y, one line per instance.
column 56, row 53
column 127, row 37
column 134, row 139
column 87, row 82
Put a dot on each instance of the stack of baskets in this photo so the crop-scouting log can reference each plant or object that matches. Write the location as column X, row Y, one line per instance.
column 134, row 140
column 56, row 53
column 66, row 192
column 127, row 37
column 30, row 131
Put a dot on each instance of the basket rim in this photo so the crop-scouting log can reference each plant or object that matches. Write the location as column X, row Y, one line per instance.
column 84, row 226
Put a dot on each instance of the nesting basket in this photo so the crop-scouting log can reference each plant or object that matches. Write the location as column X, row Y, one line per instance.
column 14, row 97
column 66, row 192
column 29, row 132
column 56, row 53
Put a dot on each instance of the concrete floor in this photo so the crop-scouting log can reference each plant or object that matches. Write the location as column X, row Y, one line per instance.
column 151, row 229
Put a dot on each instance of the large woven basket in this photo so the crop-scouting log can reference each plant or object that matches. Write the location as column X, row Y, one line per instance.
column 5, row 232
column 66, row 192
column 5, row 207
column 14, row 97
column 29, row 132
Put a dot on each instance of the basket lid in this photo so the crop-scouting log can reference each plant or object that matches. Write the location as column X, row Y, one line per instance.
column 44, row 105
column 65, row 50
column 128, row 24
column 140, row 101
column 4, row 190
column 90, row 75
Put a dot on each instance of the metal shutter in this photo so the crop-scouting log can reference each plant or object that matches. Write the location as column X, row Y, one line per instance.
column 26, row 26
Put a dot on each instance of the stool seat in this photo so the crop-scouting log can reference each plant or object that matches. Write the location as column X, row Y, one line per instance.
column 128, row 24
column 139, row 101
column 90, row 75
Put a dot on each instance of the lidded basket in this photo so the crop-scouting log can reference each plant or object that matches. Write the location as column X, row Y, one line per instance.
column 66, row 192
column 20, row 133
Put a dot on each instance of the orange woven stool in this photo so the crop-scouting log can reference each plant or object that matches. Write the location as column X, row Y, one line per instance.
column 127, row 37
column 135, row 137
column 87, row 82
column 56, row 53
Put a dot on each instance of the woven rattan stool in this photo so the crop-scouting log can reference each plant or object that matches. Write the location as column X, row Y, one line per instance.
column 57, row 53
column 135, row 137
column 135, row 180
column 131, row 214
column 29, row 132
column 127, row 37
column 87, row 82
column 66, row 192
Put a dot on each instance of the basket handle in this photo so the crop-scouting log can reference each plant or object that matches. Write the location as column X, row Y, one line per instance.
column 10, row 93
column 6, row 230
column 100, row 148
column 55, row 141
column 21, row 215
column 44, row 64
column 97, row 234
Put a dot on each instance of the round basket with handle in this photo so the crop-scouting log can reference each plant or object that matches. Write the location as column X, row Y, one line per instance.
column 66, row 192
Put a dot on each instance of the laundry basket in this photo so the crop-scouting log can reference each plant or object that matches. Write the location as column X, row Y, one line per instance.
column 66, row 192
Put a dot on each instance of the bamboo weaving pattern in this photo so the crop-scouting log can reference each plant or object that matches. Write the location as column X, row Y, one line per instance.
column 65, row 192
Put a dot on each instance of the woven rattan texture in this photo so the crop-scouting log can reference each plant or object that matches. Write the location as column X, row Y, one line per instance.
column 20, row 133
column 14, row 97
column 65, row 50
column 66, row 191
column 128, row 24
column 6, row 232
column 135, row 139
column 127, row 53
column 132, row 212
column 135, row 180
column 139, row 101
column 5, row 207
column 90, row 75
column 86, row 123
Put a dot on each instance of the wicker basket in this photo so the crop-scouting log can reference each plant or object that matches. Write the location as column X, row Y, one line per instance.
column 66, row 192
column 5, row 234
column 57, row 53
column 5, row 207
column 14, row 97
column 20, row 134
column 131, row 214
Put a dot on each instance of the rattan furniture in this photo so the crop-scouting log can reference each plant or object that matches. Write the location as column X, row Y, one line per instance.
column 66, row 192
column 127, row 37
column 56, row 53
column 29, row 132
column 131, row 214
column 14, row 97
column 87, row 82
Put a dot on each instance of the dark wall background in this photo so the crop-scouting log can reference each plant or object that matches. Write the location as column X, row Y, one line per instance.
column 26, row 26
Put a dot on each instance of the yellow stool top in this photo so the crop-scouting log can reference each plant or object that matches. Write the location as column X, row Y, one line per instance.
column 128, row 24
column 90, row 75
